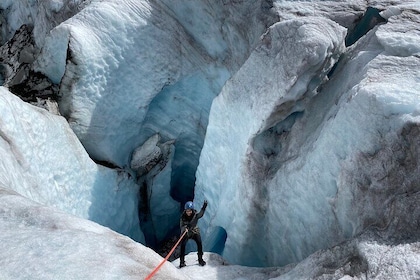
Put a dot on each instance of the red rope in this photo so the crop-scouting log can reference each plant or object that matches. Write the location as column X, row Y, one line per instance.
column 165, row 259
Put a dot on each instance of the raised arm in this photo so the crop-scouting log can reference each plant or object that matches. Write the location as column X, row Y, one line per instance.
column 203, row 209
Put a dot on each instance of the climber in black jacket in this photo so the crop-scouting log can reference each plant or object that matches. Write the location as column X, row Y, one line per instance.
column 188, row 223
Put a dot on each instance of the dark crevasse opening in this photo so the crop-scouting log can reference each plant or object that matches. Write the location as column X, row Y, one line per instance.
column 179, row 115
column 183, row 173
column 369, row 20
column 216, row 240
column 159, row 232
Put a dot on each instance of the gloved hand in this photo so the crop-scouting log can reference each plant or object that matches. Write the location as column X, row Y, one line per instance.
column 184, row 229
column 205, row 202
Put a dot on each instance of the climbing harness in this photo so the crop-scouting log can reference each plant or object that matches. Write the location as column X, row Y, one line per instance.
column 166, row 258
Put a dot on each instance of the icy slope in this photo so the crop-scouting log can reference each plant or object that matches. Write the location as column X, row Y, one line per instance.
column 39, row 242
column 43, row 160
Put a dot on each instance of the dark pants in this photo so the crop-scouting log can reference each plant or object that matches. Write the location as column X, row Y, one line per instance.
column 197, row 238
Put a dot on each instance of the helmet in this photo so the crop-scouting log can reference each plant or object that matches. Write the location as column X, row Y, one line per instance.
column 189, row 205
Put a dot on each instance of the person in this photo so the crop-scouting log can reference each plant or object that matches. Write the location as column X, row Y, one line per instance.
column 188, row 223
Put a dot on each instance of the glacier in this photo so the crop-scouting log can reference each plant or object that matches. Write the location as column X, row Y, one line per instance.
column 296, row 120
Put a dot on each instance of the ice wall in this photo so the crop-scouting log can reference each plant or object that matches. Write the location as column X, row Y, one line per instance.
column 296, row 55
column 154, row 69
column 113, row 83
column 292, row 172
column 123, row 71
column 43, row 160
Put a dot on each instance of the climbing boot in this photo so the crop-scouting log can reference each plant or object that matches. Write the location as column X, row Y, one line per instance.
column 181, row 264
column 201, row 262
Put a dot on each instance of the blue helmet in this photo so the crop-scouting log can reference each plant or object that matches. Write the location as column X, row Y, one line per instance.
column 189, row 205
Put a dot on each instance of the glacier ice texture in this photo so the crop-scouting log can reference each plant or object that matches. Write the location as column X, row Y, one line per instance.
column 305, row 148
column 290, row 172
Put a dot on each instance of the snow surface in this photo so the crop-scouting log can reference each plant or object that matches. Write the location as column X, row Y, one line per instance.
column 39, row 242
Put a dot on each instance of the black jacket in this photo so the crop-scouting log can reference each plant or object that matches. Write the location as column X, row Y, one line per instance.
column 190, row 222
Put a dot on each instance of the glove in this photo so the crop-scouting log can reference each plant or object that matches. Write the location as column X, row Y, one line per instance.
column 205, row 202
column 184, row 229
